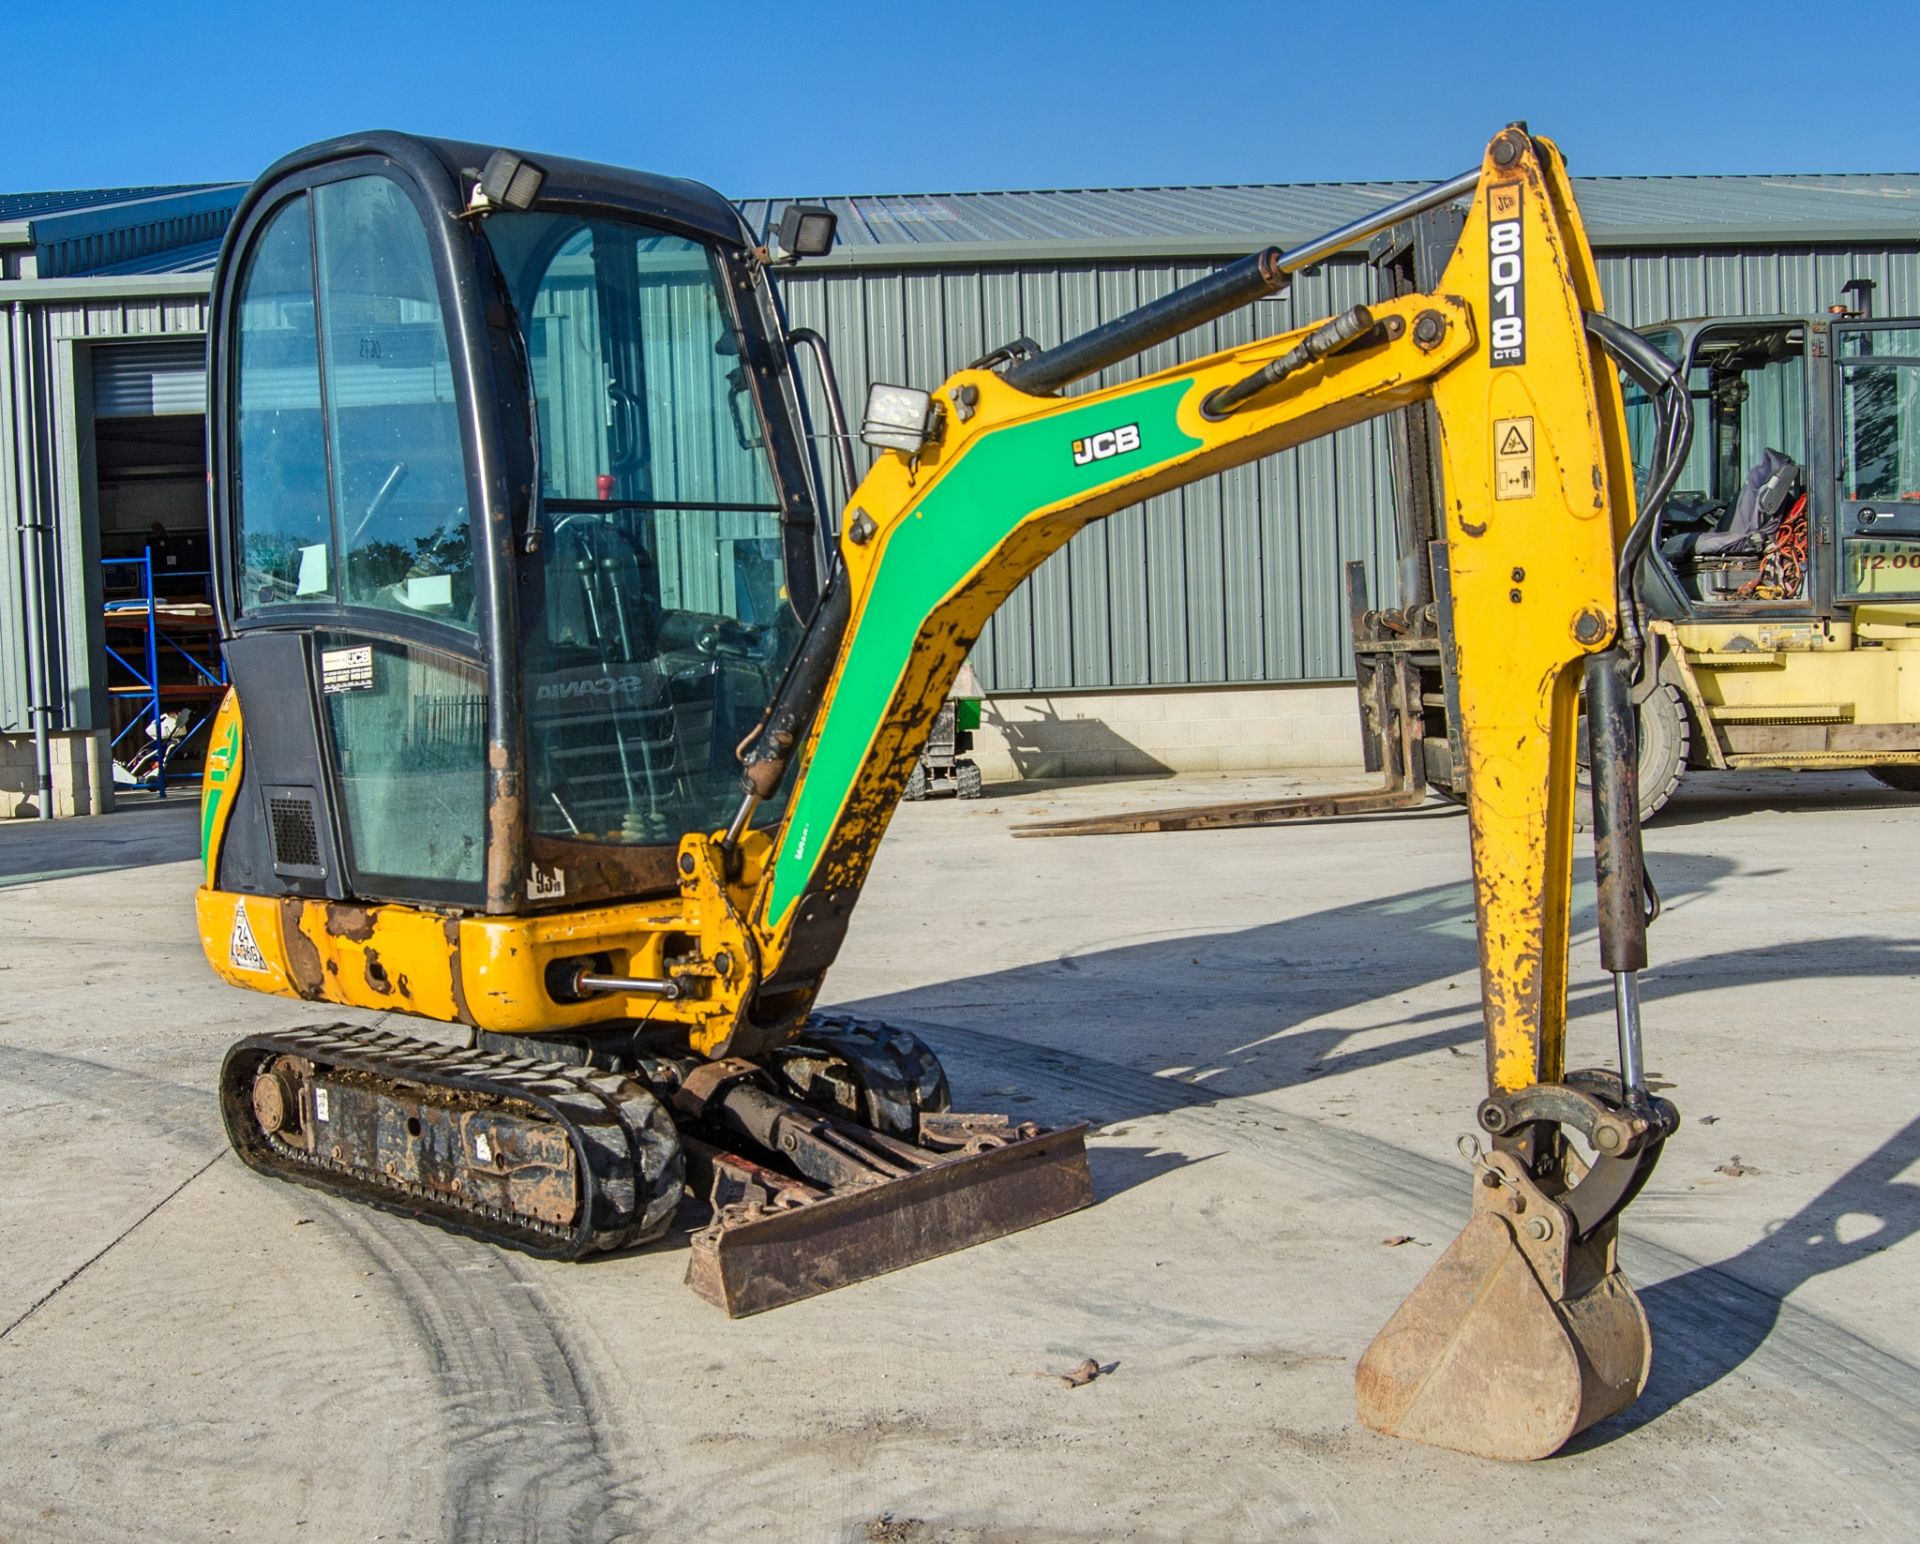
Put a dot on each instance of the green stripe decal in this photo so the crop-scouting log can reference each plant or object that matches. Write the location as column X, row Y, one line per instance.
column 1003, row 478
column 219, row 768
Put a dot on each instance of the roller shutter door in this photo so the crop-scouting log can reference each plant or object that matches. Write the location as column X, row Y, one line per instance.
column 146, row 380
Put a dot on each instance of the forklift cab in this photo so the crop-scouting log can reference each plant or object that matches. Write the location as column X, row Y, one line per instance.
column 1802, row 491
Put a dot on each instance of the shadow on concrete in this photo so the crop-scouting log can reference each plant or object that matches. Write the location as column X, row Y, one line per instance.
column 1067, row 751
column 1704, row 797
column 1436, row 808
column 1709, row 1320
column 1243, row 1013
column 1008, row 788
column 137, row 834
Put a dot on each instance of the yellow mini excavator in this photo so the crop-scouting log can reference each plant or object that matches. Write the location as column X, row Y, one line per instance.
column 563, row 711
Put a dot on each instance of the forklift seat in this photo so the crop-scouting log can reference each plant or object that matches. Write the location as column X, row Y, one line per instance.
column 1763, row 498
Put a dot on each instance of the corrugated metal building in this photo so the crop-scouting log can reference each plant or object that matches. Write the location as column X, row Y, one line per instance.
column 103, row 395
column 1227, row 589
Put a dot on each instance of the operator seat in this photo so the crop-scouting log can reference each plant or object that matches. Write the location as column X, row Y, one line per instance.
column 1763, row 497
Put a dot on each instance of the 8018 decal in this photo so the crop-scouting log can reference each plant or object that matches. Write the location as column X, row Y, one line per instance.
column 1108, row 442
column 1506, row 275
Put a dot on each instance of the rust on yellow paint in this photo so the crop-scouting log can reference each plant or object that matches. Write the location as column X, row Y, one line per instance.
column 491, row 972
column 1524, row 566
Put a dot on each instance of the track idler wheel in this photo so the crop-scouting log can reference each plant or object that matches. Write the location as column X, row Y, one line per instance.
column 1525, row 1331
column 879, row 1075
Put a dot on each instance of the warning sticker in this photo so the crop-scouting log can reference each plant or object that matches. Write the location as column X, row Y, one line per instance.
column 1513, row 458
column 319, row 1102
column 346, row 670
column 242, row 949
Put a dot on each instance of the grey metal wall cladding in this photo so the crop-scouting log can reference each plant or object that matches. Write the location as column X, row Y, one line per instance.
column 1233, row 579
column 51, row 416
column 1237, row 579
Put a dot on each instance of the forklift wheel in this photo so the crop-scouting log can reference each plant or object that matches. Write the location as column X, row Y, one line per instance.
column 1666, row 735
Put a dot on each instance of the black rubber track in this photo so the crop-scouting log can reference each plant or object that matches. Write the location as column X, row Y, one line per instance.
column 624, row 1143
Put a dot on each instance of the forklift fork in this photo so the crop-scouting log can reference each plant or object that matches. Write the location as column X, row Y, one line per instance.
column 1396, row 656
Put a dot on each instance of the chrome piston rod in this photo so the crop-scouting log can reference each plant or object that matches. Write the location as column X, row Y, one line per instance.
column 1226, row 290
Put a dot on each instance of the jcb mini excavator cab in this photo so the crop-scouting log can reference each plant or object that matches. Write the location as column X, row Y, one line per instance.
column 562, row 722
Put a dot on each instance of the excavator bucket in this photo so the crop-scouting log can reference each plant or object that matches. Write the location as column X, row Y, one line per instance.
column 1519, row 1337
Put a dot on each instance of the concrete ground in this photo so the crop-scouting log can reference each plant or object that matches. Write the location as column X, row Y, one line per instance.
column 1276, row 1033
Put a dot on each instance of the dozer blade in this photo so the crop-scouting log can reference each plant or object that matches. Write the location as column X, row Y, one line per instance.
column 1515, row 1340
column 779, row 1241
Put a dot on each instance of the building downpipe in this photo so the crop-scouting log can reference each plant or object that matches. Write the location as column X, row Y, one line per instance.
column 29, row 531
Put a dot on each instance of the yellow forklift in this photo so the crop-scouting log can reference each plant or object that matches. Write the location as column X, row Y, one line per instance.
column 1784, row 578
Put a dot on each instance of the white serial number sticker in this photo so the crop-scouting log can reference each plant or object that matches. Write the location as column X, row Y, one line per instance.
column 1506, row 275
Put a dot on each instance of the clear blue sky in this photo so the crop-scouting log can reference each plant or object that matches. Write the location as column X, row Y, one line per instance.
column 890, row 96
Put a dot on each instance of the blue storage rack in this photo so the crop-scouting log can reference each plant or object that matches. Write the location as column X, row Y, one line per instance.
column 142, row 682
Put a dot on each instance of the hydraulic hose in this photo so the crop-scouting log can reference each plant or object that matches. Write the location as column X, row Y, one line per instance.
column 1661, row 379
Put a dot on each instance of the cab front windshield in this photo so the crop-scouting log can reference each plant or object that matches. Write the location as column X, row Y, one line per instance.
column 657, row 620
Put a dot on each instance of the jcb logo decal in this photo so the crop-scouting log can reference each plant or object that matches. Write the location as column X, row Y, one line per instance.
column 1109, row 442
column 1506, row 275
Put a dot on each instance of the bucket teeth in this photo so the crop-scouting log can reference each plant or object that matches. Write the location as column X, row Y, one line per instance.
column 1515, row 1340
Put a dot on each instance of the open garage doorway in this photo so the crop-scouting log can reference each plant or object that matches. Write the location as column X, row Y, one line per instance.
column 162, row 663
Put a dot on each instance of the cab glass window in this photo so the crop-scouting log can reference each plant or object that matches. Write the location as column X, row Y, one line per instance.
column 279, row 440
column 660, row 620
column 1749, row 390
column 1880, row 430
column 407, row 727
column 399, row 479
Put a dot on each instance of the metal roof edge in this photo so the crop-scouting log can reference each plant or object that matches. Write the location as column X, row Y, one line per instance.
column 922, row 254
column 1790, row 234
column 116, row 287
column 1220, row 248
column 66, row 224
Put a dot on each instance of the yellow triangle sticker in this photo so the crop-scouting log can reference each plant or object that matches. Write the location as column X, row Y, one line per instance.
column 1515, row 444
column 243, row 950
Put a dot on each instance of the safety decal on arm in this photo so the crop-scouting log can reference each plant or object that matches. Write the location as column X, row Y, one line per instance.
column 1513, row 458
column 1506, row 275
